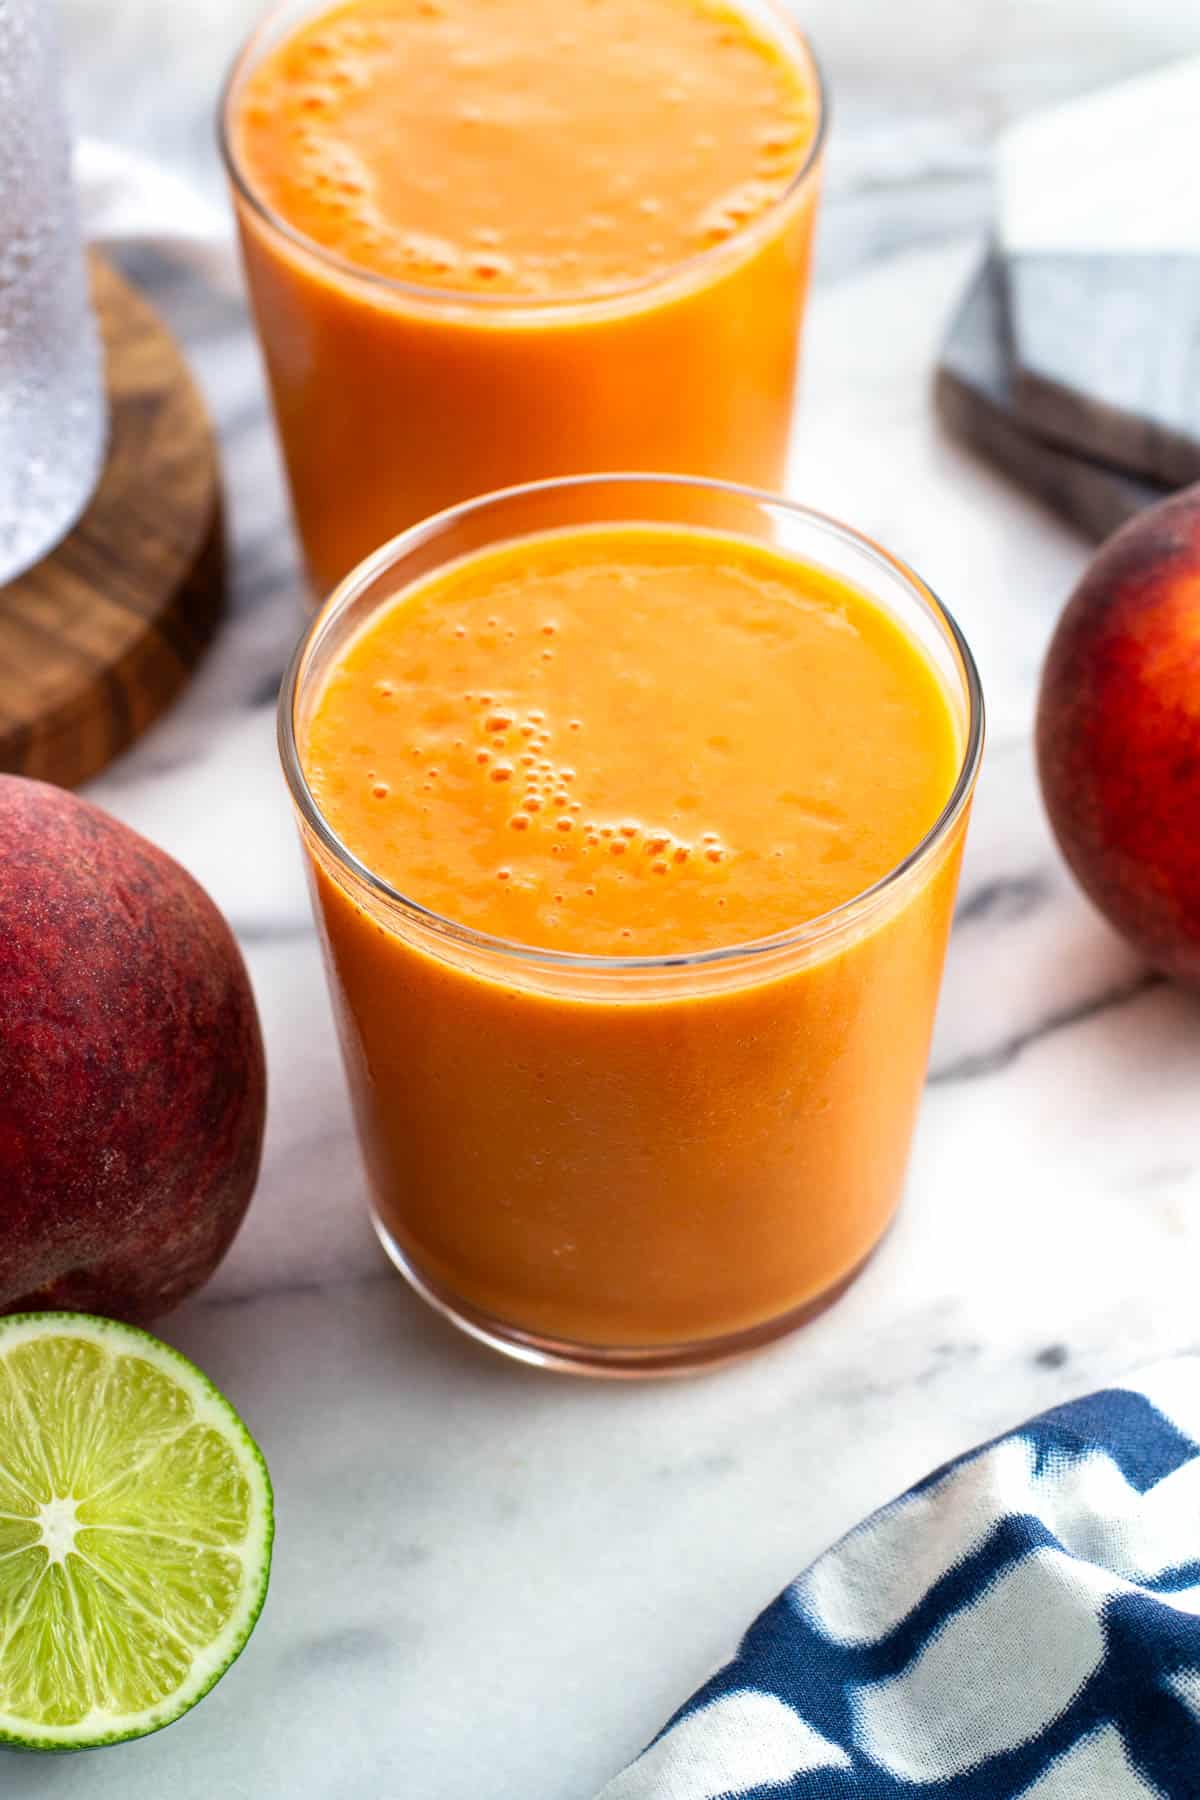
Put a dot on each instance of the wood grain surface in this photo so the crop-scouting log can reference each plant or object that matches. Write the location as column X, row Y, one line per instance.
column 100, row 637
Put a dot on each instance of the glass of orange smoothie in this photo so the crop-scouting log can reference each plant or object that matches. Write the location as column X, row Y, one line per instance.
column 633, row 809
column 490, row 241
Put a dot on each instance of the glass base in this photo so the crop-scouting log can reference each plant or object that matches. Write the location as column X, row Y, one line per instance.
column 603, row 1361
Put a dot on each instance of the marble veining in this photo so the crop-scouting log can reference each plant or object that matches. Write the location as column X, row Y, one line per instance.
column 492, row 1583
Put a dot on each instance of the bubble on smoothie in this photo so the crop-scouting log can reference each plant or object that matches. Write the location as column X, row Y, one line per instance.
column 777, row 139
column 716, row 230
column 491, row 267
column 430, row 254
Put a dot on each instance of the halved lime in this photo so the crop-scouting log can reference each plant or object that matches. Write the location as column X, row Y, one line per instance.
column 136, row 1522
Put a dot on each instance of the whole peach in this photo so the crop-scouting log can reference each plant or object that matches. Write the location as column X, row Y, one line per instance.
column 1118, row 733
column 132, row 1081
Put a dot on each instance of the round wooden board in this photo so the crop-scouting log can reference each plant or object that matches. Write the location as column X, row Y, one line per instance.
column 97, row 639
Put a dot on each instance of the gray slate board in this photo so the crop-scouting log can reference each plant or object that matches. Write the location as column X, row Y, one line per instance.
column 1106, row 357
column 975, row 399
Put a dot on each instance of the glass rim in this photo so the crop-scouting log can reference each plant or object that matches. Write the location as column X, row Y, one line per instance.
column 499, row 305
column 810, row 933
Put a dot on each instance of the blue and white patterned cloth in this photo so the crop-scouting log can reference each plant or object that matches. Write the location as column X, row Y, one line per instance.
column 1024, row 1623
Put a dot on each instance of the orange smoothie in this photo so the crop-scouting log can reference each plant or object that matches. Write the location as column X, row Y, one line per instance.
column 494, row 240
column 584, row 757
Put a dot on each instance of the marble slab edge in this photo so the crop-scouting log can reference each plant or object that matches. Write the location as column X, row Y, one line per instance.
column 975, row 398
column 1106, row 357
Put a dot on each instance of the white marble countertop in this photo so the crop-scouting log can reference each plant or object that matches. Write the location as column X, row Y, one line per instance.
column 494, row 1583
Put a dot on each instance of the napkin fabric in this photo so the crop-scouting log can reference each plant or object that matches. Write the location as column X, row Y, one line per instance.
column 1025, row 1622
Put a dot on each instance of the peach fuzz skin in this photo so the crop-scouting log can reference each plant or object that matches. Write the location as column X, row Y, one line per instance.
column 1118, row 733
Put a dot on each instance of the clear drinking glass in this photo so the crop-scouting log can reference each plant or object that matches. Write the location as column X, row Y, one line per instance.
column 394, row 401
column 53, row 417
column 719, row 1137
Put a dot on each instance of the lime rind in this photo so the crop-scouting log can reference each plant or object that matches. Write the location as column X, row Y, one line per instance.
column 208, row 1417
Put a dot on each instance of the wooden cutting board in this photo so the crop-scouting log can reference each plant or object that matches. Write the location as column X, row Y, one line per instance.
column 101, row 636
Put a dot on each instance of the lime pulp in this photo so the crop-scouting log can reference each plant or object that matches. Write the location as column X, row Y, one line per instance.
column 136, row 1525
